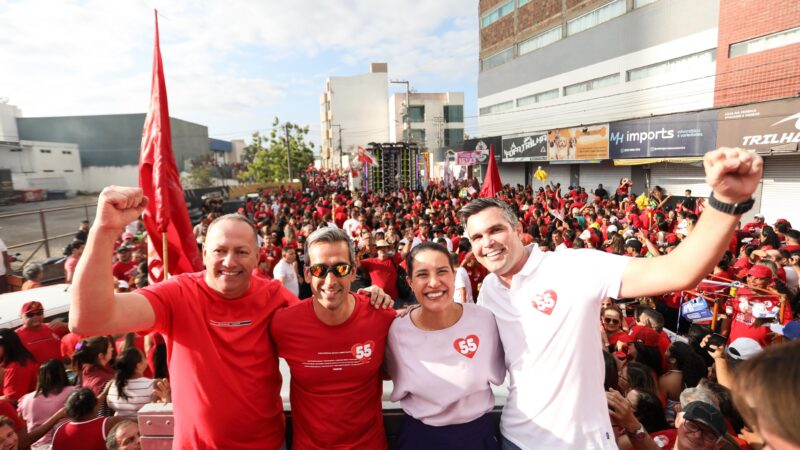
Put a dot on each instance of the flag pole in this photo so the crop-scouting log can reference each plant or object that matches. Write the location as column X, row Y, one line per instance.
column 164, row 253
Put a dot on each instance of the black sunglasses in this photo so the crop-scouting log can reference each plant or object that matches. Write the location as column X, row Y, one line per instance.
column 610, row 320
column 34, row 314
column 339, row 270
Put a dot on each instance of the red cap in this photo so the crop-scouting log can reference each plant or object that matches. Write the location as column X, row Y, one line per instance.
column 643, row 335
column 672, row 238
column 760, row 271
column 779, row 221
column 31, row 307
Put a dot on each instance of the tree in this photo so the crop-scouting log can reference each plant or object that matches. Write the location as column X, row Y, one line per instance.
column 266, row 155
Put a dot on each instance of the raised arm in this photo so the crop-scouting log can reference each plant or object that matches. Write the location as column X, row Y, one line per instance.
column 95, row 308
column 733, row 174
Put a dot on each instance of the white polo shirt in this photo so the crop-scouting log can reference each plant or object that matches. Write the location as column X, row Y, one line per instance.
column 288, row 276
column 548, row 325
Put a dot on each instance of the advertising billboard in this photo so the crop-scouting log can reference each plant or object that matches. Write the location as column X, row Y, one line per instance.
column 525, row 148
column 688, row 134
column 764, row 126
column 579, row 143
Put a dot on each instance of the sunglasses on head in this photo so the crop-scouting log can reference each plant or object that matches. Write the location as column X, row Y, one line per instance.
column 34, row 314
column 339, row 270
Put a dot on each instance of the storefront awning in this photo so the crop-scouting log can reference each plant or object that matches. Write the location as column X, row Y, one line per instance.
column 642, row 161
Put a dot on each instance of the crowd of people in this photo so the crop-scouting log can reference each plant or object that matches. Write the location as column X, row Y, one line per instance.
column 549, row 289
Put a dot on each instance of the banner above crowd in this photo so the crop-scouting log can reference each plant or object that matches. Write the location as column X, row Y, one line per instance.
column 476, row 151
column 764, row 126
column 579, row 143
column 525, row 148
column 689, row 134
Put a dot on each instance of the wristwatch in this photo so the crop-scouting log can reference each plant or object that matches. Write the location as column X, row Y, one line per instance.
column 733, row 209
column 639, row 434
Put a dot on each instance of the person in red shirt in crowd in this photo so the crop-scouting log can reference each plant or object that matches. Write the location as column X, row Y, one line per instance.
column 20, row 369
column 209, row 319
column 623, row 189
column 612, row 321
column 755, row 226
column 91, row 361
column 68, row 343
column 383, row 269
column 741, row 320
column 84, row 430
column 334, row 345
column 792, row 238
column 124, row 267
column 42, row 339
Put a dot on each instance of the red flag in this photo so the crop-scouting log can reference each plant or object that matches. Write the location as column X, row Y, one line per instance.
column 491, row 182
column 366, row 157
column 159, row 178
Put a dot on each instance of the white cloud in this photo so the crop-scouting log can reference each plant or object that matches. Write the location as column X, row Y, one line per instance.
column 230, row 65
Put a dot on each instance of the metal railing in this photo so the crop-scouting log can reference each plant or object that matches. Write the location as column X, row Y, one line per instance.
column 45, row 239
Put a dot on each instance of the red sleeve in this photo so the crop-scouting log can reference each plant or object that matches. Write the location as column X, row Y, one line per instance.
column 6, row 409
column 16, row 380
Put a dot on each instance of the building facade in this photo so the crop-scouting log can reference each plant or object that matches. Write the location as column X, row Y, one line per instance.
column 584, row 71
column 110, row 144
column 436, row 121
column 353, row 112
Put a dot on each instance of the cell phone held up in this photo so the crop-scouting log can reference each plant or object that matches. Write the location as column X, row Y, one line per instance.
column 716, row 340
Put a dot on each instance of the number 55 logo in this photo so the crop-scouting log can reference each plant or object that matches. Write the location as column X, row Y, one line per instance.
column 362, row 351
column 467, row 346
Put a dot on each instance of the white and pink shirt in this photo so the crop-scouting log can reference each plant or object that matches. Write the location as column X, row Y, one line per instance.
column 442, row 377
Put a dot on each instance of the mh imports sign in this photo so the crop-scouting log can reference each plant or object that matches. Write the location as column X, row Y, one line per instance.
column 525, row 148
column 686, row 134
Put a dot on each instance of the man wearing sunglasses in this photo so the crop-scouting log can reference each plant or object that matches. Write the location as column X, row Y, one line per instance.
column 42, row 339
column 334, row 345
column 224, row 368
column 701, row 426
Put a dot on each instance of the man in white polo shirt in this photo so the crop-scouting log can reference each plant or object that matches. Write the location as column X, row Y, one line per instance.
column 286, row 271
column 547, row 317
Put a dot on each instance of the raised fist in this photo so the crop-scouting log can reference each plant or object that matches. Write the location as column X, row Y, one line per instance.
column 733, row 173
column 118, row 206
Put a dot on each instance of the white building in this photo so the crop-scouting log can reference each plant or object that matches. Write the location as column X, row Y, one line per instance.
column 53, row 166
column 354, row 111
column 436, row 121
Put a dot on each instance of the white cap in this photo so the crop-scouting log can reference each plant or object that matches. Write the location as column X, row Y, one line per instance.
column 611, row 229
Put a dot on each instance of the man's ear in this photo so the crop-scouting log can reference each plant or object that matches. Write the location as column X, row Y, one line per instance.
column 679, row 420
column 520, row 231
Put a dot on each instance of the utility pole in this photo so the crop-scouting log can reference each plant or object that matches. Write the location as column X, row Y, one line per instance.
column 407, row 131
column 288, row 151
column 341, row 156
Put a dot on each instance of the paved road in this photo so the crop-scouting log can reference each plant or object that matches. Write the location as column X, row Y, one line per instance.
column 26, row 228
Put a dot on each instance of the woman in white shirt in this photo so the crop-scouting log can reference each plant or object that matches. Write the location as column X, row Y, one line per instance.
column 130, row 389
column 442, row 357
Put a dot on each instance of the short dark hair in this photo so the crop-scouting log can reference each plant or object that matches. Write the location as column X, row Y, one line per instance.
column 111, row 438
column 479, row 204
column 330, row 235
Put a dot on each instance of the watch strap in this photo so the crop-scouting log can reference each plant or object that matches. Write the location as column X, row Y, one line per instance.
column 733, row 209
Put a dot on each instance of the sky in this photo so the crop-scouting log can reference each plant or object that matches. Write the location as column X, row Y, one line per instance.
column 230, row 65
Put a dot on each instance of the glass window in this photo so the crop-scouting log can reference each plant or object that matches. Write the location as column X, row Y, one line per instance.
column 500, row 107
column 682, row 64
column 454, row 113
column 498, row 58
column 591, row 85
column 522, row 2
column 593, row 18
column 537, row 98
column 497, row 14
column 418, row 136
column 416, row 113
column 770, row 41
column 540, row 40
column 640, row 3
column 453, row 136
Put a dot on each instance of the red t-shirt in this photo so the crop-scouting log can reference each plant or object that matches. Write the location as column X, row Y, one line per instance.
column 383, row 274
column 335, row 374
column 121, row 270
column 743, row 323
column 18, row 379
column 226, row 383
column 96, row 377
column 68, row 343
column 89, row 435
column 43, row 342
